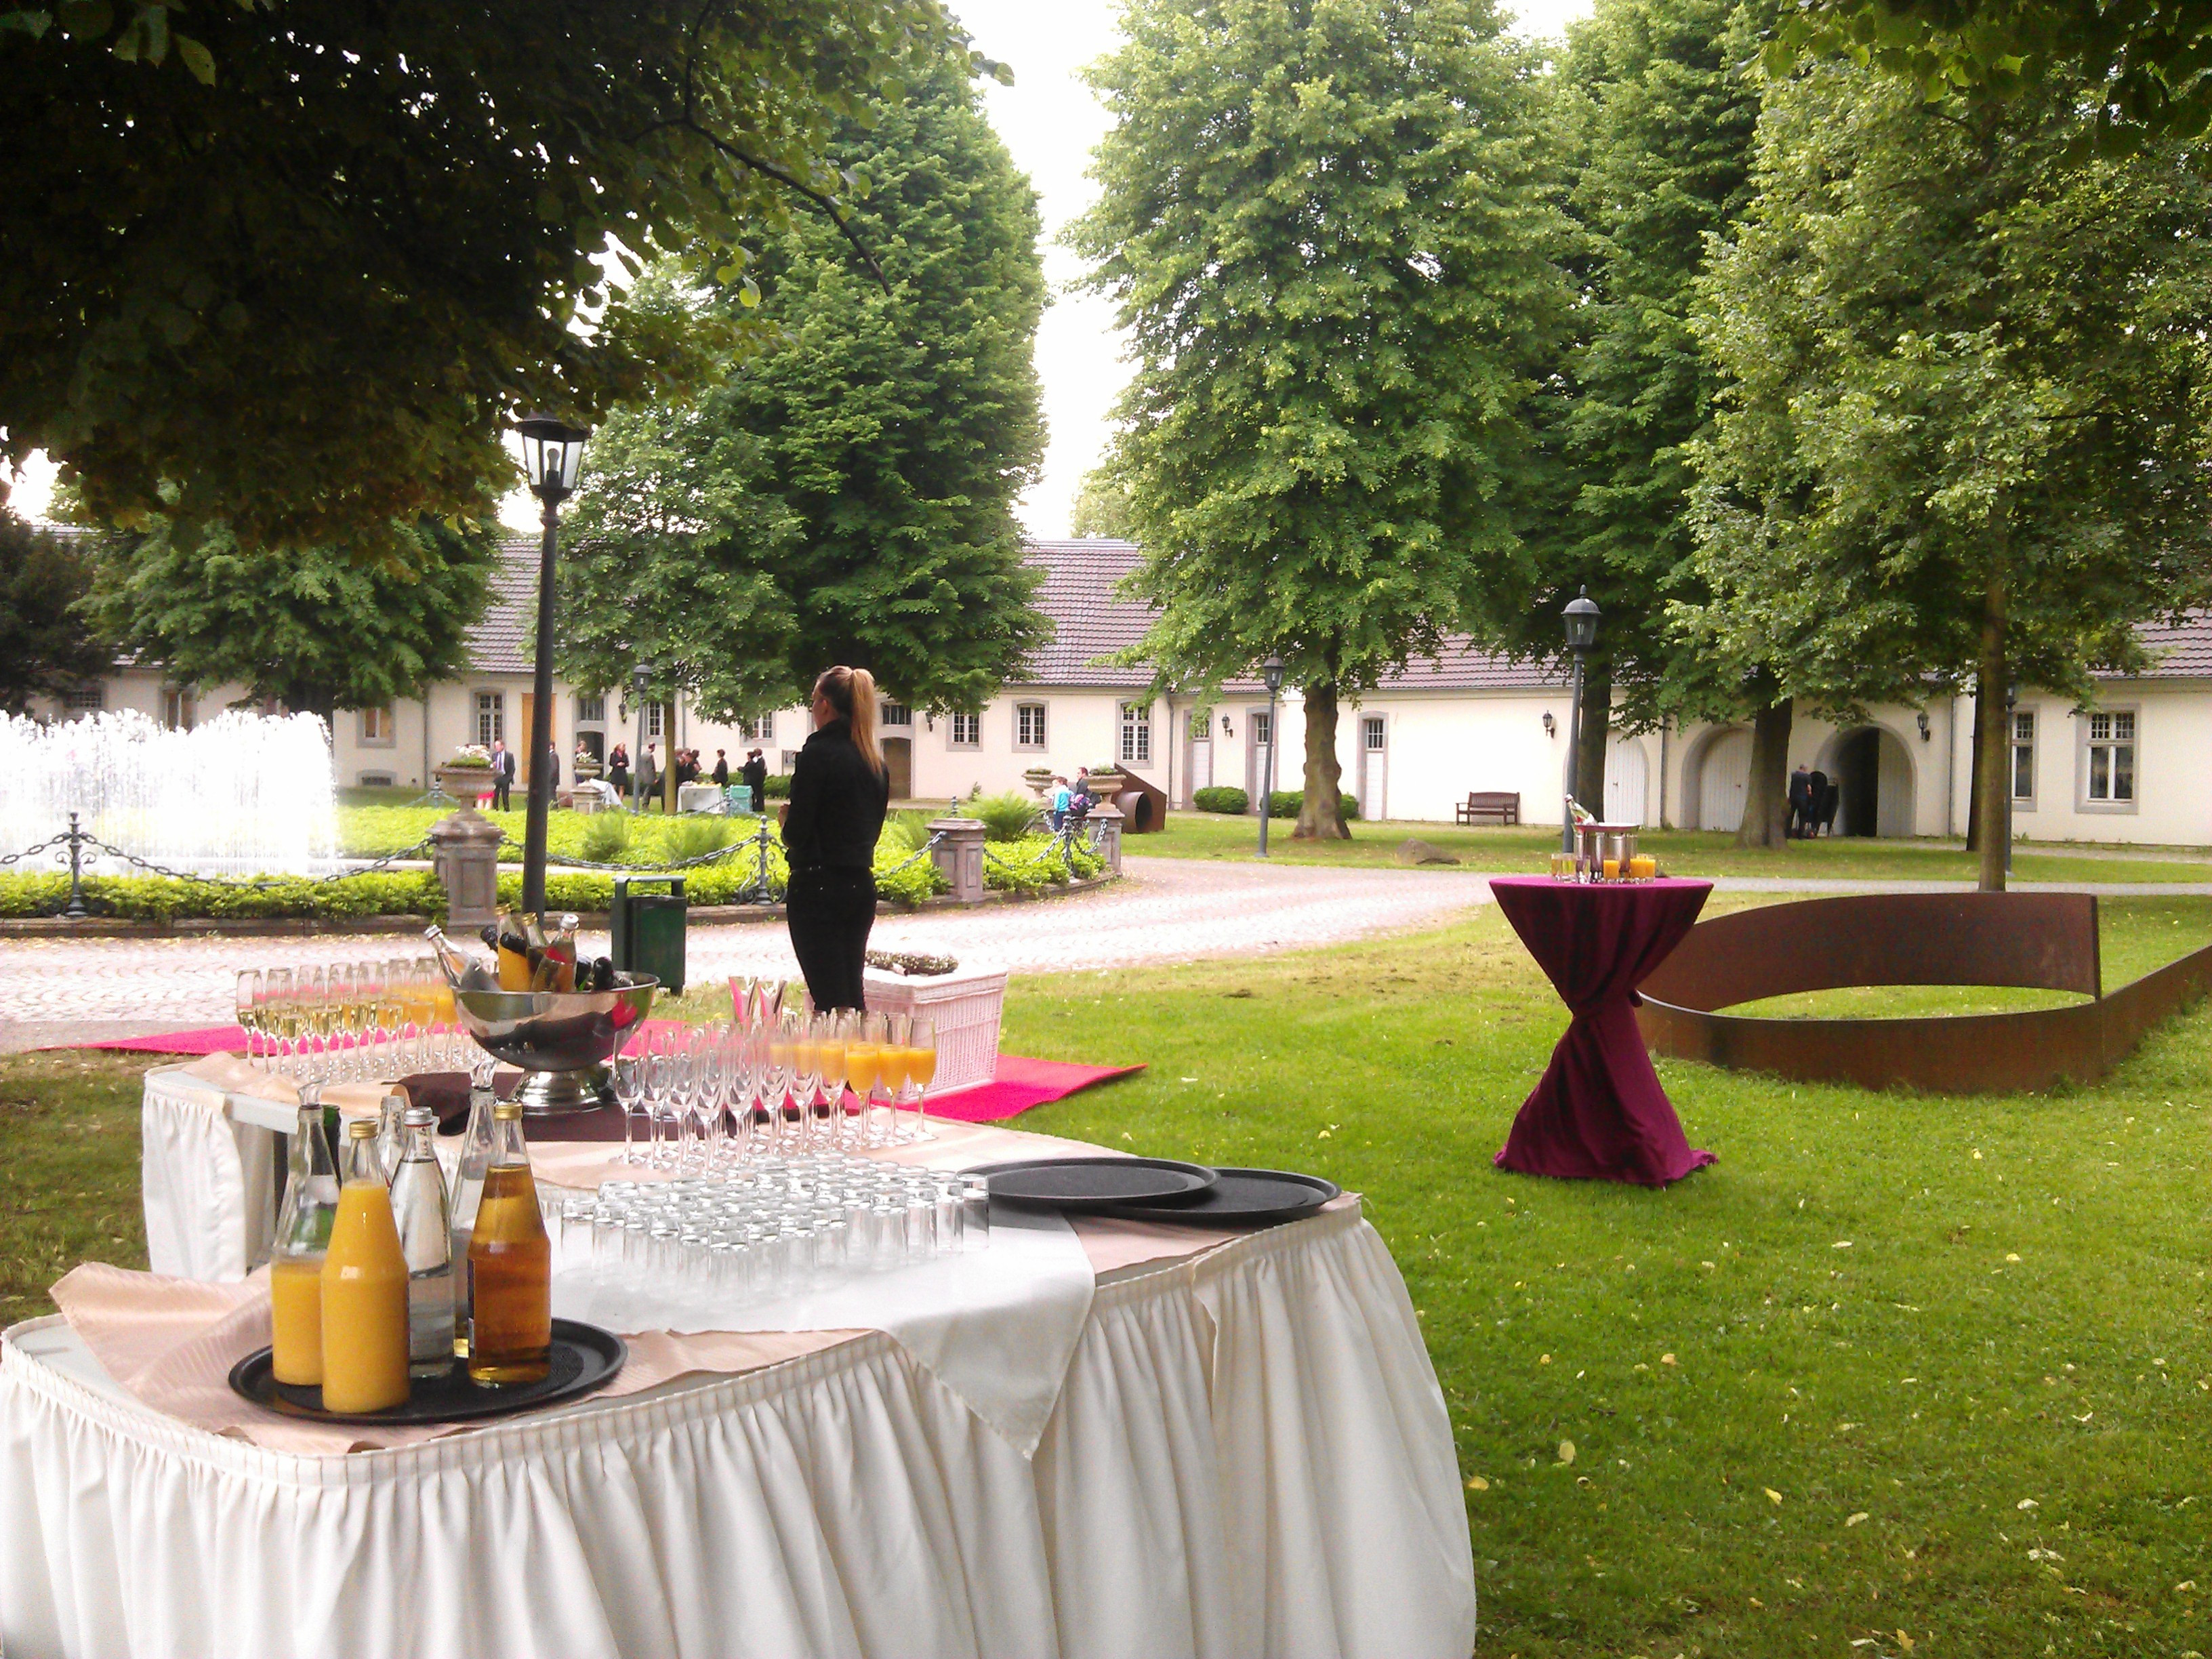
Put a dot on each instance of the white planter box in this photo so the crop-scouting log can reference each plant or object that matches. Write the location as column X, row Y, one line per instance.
column 966, row 1006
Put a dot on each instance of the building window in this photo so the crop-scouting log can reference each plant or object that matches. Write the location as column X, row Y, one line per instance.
column 2112, row 768
column 1137, row 733
column 1371, row 732
column 2023, row 757
column 180, row 710
column 757, row 728
column 1029, row 725
column 88, row 698
column 1201, row 725
column 591, row 709
column 376, row 780
column 1261, row 725
column 897, row 713
column 652, row 719
column 491, row 719
column 967, row 731
column 376, row 726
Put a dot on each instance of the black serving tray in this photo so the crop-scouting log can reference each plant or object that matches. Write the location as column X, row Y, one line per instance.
column 1241, row 1198
column 1082, row 1184
column 585, row 1358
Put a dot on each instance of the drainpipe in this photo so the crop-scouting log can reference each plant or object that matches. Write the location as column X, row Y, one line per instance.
column 1950, row 766
column 425, row 702
column 1663, row 774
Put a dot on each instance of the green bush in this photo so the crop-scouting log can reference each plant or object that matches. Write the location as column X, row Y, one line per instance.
column 776, row 785
column 1288, row 803
column 694, row 836
column 164, row 899
column 606, row 837
column 1006, row 817
column 908, row 829
column 1221, row 799
column 1036, row 862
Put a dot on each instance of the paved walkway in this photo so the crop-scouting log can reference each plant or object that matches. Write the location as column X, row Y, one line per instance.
column 59, row 990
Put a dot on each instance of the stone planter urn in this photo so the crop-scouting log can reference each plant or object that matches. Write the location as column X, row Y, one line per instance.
column 464, row 783
column 966, row 1005
column 1039, row 779
column 1107, row 784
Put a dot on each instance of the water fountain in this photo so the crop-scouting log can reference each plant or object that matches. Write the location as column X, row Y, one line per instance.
column 239, row 795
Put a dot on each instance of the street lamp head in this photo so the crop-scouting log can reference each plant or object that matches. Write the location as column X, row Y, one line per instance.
column 640, row 678
column 1271, row 672
column 552, row 455
column 1582, row 614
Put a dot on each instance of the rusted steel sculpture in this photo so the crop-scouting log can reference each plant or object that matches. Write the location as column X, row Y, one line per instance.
column 2045, row 940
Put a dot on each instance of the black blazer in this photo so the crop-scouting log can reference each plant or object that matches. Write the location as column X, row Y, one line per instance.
column 837, row 804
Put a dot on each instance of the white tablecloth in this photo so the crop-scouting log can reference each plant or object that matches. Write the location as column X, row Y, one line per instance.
column 1250, row 1456
column 207, row 1178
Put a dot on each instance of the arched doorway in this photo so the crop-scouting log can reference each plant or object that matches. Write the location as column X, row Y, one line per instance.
column 1872, row 770
column 1715, row 775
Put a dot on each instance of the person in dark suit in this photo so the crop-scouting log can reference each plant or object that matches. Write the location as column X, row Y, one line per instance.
column 754, row 775
column 840, row 791
column 1826, row 797
column 618, row 769
column 502, row 775
column 722, row 773
column 1801, row 802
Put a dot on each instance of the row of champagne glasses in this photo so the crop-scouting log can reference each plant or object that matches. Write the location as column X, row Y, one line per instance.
column 711, row 1096
column 351, row 1020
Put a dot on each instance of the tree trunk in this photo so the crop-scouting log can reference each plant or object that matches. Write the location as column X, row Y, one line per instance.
column 1321, row 814
column 1974, row 785
column 668, row 759
column 1992, row 679
column 1766, row 792
column 1596, row 728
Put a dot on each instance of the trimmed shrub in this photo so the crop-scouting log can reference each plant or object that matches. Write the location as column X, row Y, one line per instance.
column 162, row 899
column 1221, row 799
column 1288, row 803
column 1036, row 862
column 776, row 785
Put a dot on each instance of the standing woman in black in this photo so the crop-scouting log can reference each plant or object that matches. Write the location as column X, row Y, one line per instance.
column 840, row 790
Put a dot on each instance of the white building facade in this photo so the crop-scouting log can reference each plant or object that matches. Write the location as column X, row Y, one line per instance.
column 2128, row 769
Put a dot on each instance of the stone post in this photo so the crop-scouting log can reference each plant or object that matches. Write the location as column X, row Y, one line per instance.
column 960, row 856
column 1109, row 817
column 465, row 855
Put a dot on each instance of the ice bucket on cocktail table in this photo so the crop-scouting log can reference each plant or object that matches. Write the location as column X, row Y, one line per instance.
column 562, row 1039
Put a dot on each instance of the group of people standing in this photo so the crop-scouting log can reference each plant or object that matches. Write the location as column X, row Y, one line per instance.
column 753, row 774
column 1069, row 803
column 1812, row 797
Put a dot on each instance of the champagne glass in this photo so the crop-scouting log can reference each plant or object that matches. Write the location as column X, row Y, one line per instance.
column 775, row 1078
column 742, row 987
column 630, row 1096
column 829, row 1058
column 368, row 1014
column 921, row 1070
column 864, row 1058
column 796, row 997
column 805, row 1077
column 248, row 998
column 312, row 1009
column 337, row 1016
column 768, row 1003
column 707, row 1089
column 751, row 1051
column 276, row 989
column 892, row 1072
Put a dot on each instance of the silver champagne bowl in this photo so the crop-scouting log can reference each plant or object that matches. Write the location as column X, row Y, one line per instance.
column 562, row 1039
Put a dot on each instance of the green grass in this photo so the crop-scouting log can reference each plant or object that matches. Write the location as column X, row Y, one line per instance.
column 1212, row 836
column 1922, row 1311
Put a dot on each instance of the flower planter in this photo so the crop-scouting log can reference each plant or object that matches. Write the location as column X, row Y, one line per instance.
column 1107, row 785
column 1039, row 779
column 464, row 783
column 966, row 1004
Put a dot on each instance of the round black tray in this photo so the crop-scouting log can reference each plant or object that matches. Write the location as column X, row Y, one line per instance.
column 585, row 1358
column 1241, row 1198
column 1096, row 1183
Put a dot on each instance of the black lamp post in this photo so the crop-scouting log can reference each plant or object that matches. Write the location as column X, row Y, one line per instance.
column 1581, row 614
column 2012, row 703
column 552, row 454
column 1271, row 672
column 640, row 682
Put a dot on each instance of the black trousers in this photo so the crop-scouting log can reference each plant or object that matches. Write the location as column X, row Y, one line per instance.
column 499, row 788
column 831, row 912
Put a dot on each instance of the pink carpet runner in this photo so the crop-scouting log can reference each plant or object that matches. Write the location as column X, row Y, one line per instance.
column 1020, row 1083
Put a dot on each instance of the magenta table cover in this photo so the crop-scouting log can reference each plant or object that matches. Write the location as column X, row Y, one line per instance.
column 1599, row 1114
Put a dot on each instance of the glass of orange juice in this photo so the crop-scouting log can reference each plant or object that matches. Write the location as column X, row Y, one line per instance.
column 921, row 1070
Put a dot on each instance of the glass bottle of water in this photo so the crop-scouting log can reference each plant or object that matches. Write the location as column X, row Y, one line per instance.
column 418, row 1202
column 476, row 1142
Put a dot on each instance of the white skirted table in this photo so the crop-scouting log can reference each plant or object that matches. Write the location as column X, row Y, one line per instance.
column 208, row 1171
column 1248, row 1454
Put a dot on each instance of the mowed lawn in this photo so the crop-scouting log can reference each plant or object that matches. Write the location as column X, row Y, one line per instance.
column 1684, row 852
column 1897, row 1375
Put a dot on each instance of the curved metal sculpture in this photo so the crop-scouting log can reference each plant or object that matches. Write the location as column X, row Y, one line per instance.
column 2047, row 941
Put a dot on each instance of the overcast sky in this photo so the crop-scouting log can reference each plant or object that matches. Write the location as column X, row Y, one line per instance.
column 1050, row 122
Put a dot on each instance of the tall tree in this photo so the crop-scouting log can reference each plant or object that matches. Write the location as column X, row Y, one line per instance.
column 45, row 647
column 320, row 629
column 290, row 274
column 1661, row 117
column 1102, row 508
column 1323, row 223
column 846, row 495
column 1964, row 433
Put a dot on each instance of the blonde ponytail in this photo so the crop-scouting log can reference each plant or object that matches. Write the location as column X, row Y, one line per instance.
column 851, row 693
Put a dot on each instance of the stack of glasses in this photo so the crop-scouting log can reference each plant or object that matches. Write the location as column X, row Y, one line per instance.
column 351, row 1020
column 778, row 1080
column 784, row 1226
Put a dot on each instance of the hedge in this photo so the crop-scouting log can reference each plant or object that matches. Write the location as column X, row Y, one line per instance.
column 1221, row 799
column 1288, row 803
column 1036, row 862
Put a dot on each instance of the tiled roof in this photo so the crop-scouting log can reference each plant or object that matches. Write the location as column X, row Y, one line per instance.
column 2176, row 654
column 501, row 643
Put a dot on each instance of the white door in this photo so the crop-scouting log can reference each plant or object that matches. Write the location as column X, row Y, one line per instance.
column 1198, row 774
column 1374, row 762
column 1260, row 729
column 1892, row 801
column 1624, row 781
column 1722, row 779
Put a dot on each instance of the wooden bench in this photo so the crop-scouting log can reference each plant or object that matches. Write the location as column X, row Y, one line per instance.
column 1492, row 806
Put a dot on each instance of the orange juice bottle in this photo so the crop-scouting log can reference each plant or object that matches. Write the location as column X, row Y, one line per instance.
column 510, row 1266
column 303, row 1234
column 364, row 1289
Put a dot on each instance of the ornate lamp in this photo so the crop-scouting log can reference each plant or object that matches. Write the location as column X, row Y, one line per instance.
column 1581, row 616
column 552, row 456
column 1271, row 673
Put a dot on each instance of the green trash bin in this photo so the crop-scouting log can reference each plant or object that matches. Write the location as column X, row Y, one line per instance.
column 648, row 929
